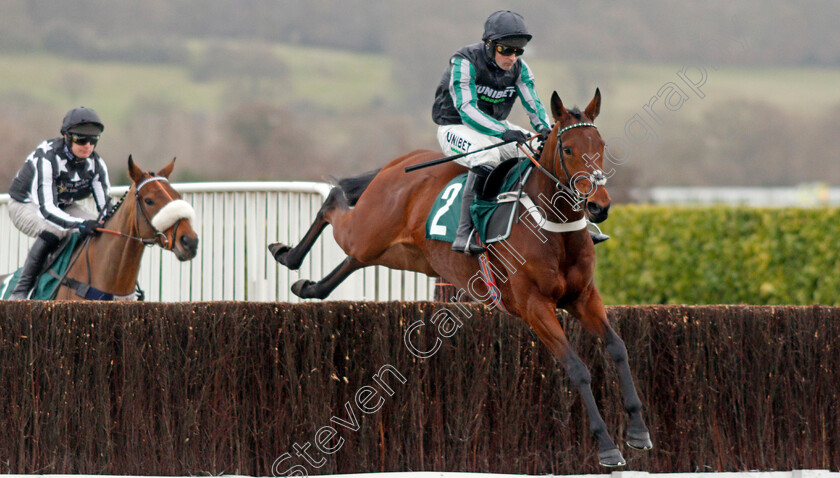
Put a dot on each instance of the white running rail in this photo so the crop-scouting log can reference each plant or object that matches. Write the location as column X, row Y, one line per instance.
column 235, row 222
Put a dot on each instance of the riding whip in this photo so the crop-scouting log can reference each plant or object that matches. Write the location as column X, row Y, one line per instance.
column 450, row 158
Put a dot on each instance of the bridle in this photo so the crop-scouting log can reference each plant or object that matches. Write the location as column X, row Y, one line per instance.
column 596, row 178
column 160, row 237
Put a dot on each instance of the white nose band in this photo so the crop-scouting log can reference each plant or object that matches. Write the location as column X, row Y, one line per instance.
column 172, row 213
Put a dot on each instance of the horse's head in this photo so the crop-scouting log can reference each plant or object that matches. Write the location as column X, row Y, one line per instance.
column 575, row 154
column 162, row 212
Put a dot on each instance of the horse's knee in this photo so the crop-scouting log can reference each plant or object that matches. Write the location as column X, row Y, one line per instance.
column 616, row 348
column 578, row 373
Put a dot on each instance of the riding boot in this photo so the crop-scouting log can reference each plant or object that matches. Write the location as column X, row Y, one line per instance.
column 466, row 237
column 44, row 244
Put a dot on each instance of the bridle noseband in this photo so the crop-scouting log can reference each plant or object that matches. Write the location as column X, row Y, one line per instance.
column 160, row 237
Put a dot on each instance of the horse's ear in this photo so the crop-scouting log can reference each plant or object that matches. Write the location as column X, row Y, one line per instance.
column 134, row 171
column 557, row 109
column 594, row 106
column 167, row 170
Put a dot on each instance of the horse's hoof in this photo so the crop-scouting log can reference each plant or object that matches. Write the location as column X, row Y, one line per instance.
column 639, row 440
column 297, row 287
column 611, row 458
column 278, row 250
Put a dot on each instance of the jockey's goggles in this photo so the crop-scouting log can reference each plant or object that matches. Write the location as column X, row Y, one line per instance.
column 84, row 138
column 505, row 50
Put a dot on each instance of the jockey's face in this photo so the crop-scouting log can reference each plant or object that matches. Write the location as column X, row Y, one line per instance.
column 506, row 56
column 81, row 151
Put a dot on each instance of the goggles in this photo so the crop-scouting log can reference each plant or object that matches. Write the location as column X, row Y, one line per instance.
column 82, row 139
column 505, row 50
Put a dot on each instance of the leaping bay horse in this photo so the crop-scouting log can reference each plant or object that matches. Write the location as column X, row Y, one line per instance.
column 153, row 213
column 379, row 219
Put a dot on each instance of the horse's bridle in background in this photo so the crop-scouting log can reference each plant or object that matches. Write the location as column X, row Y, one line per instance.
column 160, row 236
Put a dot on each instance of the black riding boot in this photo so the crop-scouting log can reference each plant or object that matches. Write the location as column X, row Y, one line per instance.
column 466, row 238
column 44, row 244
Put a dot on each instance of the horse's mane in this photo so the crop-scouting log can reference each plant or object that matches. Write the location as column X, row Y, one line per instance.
column 113, row 209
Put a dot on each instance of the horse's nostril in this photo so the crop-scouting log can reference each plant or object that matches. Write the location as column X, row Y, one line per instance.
column 191, row 243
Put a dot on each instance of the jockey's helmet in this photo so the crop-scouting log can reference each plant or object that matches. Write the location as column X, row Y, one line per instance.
column 506, row 27
column 82, row 121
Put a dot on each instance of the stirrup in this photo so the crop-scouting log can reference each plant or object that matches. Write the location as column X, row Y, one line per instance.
column 474, row 245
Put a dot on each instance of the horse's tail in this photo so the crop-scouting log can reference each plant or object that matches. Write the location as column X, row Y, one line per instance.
column 354, row 186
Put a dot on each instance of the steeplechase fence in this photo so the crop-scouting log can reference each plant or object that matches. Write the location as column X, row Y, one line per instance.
column 254, row 388
column 235, row 222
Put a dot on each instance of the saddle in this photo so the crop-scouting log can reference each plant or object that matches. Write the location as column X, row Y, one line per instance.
column 493, row 209
column 46, row 285
column 52, row 275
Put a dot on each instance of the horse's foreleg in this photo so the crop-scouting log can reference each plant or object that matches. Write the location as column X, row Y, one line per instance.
column 592, row 315
column 307, row 289
column 541, row 317
column 292, row 257
column 638, row 435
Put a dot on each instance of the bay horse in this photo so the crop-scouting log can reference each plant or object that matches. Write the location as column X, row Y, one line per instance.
column 154, row 214
column 379, row 219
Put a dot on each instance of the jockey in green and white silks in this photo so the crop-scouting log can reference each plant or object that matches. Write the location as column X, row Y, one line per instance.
column 473, row 100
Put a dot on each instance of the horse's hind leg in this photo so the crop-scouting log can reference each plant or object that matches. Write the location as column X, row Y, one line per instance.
column 292, row 257
column 307, row 289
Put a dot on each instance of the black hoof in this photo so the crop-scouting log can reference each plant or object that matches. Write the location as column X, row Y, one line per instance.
column 278, row 251
column 297, row 287
column 639, row 440
column 611, row 458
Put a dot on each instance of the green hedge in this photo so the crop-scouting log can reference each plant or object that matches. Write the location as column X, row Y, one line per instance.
column 720, row 255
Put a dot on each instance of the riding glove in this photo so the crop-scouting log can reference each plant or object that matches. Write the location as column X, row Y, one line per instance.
column 514, row 135
column 89, row 228
column 544, row 134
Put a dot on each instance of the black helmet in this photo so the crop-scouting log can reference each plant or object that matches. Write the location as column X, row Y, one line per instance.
column 82, row 121
column 507, row 25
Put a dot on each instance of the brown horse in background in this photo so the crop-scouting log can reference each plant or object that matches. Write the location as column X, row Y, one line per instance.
column 154, row 214
column 380, row 218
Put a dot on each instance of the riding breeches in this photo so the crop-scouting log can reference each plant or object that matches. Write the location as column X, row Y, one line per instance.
column 27, row 218
column 460, row 138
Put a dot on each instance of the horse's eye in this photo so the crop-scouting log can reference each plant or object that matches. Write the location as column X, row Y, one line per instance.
column 567, row 150
column 149, row 202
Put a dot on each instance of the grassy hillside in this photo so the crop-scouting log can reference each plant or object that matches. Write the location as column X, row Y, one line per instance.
column 317, row 111
column 342, row 82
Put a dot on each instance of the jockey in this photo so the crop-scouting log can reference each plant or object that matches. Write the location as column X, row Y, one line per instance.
column 44, row 192
column 472, row 103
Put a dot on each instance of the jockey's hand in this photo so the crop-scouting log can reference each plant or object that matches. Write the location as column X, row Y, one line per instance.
column 88, row 228
column 544, row 134
column 514, row 135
